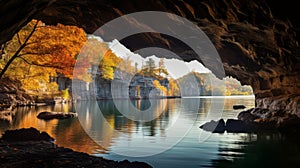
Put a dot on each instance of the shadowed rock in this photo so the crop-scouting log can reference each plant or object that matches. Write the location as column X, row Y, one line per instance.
column 247, row 116
column 25, row 134
column 55, row 115
column 214, row 126
column 239, row 126
column 239, row 106
column 259, row 120
column 231, row 126
column 12, row 95
column 30, row 148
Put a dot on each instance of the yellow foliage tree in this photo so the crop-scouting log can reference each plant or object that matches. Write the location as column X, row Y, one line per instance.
column 173, row 88
column 157, row 85
column 97, row 53
column 38, row 51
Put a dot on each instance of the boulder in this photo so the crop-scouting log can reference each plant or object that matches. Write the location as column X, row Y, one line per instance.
column 55, row 115
column 238, row 106
column 289, row 124
column 25, row 134
column 247, row 116
column 214, row 126
column 232, row 126
column 11, row 94
column 239, row 126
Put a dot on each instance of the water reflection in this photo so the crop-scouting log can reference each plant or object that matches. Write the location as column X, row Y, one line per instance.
column 260, row 151
column 173, row 117
column 68, row 133
column 129, row 130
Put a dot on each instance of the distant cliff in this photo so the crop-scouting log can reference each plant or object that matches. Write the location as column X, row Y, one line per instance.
column 209, row 85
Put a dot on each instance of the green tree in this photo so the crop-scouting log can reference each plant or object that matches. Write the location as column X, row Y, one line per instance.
column 150, row 66
column 136, row 67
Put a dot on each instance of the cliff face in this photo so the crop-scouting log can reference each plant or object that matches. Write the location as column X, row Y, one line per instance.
column 12, row 95
column 255, row 46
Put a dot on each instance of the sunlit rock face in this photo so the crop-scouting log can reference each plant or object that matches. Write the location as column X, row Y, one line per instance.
column 255, row 46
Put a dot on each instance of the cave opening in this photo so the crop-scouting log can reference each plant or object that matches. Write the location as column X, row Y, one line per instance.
column 259, row 52
column 258, row 49
column 37, row 66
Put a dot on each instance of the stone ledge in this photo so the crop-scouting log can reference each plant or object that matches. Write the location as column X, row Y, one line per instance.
column 42, row 153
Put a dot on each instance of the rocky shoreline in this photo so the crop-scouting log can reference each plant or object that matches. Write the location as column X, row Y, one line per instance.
column 256, row 120
column 11, row 94
column 30, row 148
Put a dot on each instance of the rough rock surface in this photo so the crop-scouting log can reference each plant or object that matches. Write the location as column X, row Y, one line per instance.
column 214, row 126
column 238, row 106
column 55, row 115
column 257, row 120
column 25, row 134
column 257, row 46
column 278, row 119
column 239, row 126
column 12, row 95
column 40, row 152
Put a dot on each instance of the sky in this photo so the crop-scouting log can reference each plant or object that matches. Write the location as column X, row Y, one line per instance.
column 176, row 68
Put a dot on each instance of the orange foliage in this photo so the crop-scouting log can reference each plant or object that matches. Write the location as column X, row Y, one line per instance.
column 157, row 85
column 96, row 53
column 55, row 46
column 38, row 51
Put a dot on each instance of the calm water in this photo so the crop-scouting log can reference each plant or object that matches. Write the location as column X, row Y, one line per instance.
column 170, row 130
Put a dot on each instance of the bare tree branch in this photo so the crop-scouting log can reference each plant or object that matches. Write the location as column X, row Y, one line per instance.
column 18, row 51
column 2, row 52
column 19, row 40
column 41, row 65
column 28, row 53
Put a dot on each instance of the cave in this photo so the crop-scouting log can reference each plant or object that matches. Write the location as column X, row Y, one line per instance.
column 257, row 42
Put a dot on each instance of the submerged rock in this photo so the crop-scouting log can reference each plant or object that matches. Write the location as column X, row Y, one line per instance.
column 55, row 115
column 214, row 126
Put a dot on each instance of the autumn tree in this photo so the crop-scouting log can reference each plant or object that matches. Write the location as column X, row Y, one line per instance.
column 158, row 86
column 173, row 88
column 38, row 51
column 126, row 66
column 161, row 67
column 97, row 54
column 108, row 65
column 151, row 70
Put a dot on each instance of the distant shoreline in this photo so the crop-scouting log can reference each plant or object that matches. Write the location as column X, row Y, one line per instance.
column 233, row 96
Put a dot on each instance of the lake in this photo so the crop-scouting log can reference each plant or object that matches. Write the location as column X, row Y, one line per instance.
column 163, row 133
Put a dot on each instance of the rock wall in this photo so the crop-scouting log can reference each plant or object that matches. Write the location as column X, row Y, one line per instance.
column 11, row 94
column 256, row 46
